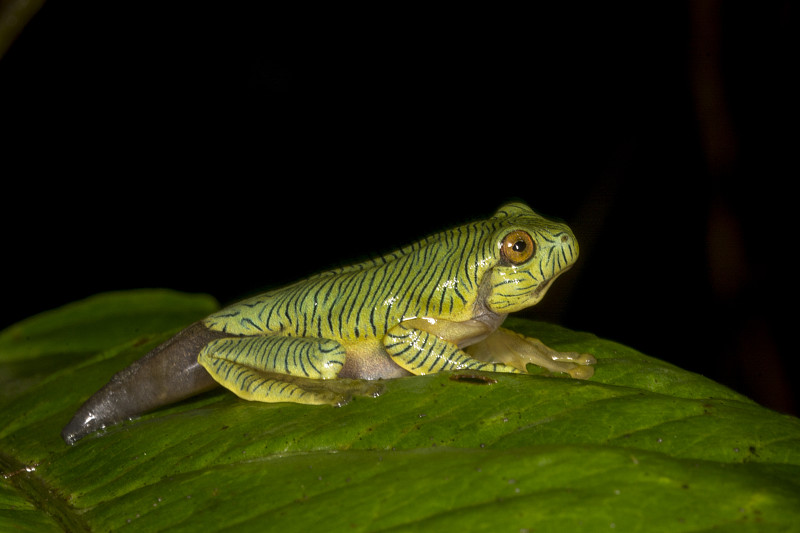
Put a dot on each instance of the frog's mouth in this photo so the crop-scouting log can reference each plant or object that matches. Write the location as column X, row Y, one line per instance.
column 515, row 298
column 539, row 292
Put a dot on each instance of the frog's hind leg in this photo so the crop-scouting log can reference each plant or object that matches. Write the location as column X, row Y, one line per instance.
column 294, row 356
column 253, row 385
column 282, row 369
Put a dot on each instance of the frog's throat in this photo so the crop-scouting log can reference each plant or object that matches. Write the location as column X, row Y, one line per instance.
column 488, row 317
column 481, row 312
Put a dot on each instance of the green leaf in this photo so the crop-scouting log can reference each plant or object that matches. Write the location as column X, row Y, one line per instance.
column 642, row 446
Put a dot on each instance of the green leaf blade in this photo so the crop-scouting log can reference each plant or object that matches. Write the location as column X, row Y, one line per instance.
column 643, row 445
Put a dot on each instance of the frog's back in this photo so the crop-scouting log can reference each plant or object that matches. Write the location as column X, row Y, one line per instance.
column 437, row 277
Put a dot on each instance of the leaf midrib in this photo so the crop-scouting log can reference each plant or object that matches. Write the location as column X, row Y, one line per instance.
column 44, row 498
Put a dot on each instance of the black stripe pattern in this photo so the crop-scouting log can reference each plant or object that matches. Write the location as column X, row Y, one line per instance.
column 305, row 328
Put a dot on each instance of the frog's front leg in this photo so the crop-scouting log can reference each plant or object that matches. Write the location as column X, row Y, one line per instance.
column 282, row 369
column 426, row 346
column 517, row 350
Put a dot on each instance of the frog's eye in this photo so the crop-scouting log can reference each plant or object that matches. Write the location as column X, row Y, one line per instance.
column 517, row 247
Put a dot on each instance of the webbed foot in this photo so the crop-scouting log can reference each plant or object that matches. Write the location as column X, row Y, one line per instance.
column 513, row 349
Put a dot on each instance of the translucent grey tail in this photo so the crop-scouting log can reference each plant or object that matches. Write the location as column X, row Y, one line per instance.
column 167, row 374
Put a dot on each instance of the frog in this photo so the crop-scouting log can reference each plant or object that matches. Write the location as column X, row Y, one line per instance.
column 436, row 305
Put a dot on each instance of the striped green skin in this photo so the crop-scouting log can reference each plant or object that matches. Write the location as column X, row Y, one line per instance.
column 424, row 353
column 437, row 277
column 413, row 311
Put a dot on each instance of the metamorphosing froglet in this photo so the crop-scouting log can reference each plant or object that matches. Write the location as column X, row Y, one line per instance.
column 434, row 305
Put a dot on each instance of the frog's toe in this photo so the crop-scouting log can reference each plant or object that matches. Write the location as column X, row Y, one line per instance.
column 343, row 390
column 574, row 357
column 336, row 399
column 585, row 359
column 336, row 392
column 579, row 365
column 373, row 389
column 581, row 372
column 573, row 370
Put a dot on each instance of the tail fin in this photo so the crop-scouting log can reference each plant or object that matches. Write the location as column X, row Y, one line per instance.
column 167, row 374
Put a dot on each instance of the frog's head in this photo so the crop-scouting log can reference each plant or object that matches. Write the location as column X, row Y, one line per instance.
column 530, row 252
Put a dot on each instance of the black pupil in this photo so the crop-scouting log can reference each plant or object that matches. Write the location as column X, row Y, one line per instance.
column 518, row 246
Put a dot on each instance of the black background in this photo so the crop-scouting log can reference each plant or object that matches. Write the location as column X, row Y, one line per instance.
column 228, row 148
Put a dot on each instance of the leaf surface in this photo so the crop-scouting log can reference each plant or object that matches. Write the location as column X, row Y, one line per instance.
column 642, row 446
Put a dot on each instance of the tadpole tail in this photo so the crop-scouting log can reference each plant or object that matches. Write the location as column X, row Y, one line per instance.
column 167, row 374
